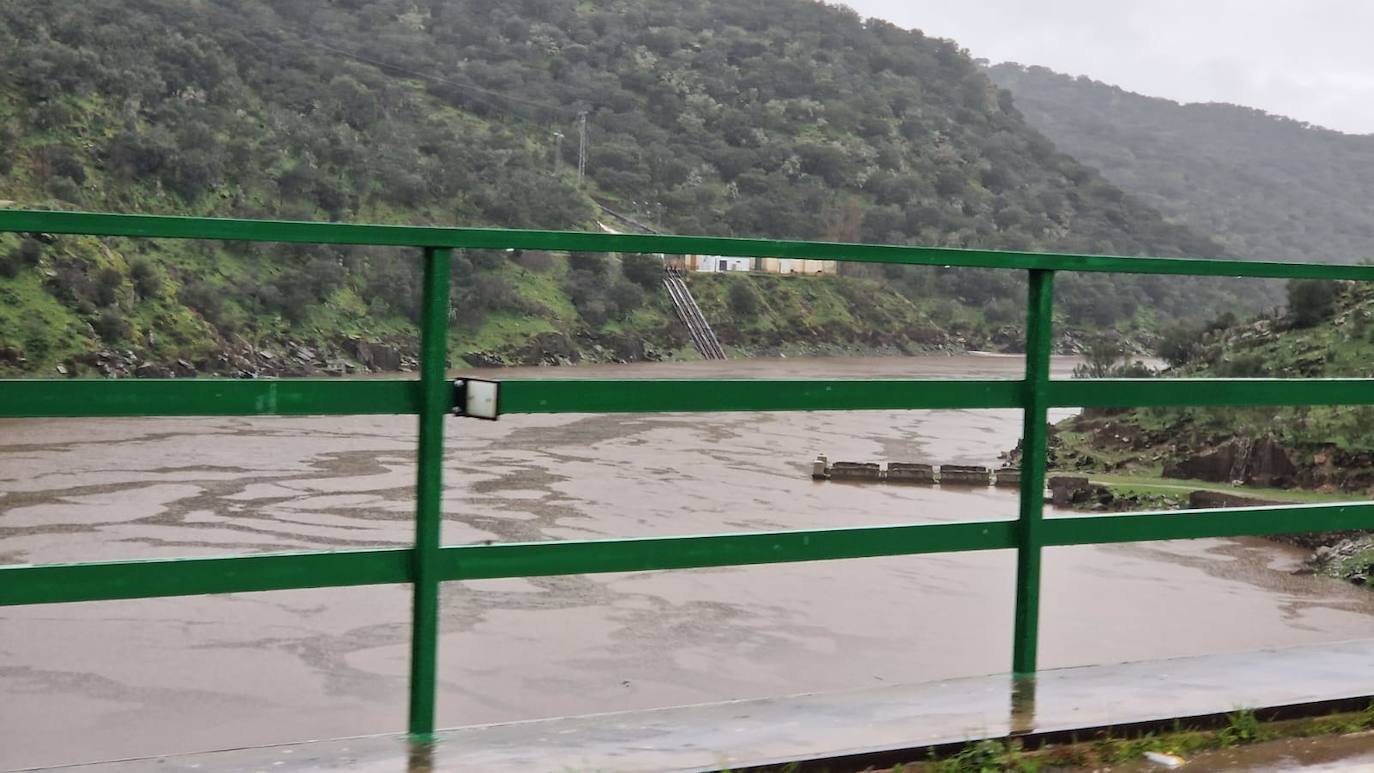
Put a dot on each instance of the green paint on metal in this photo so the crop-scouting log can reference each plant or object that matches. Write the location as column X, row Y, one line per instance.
column 78, row 398
column 63, row 583
column 427, row 563
column 1039, row 338
column 1142, row 393
column 534, row 559
column 1218, row 522
column 157, row 226
column 30, row 398
column 436, row 401
column 656, row 395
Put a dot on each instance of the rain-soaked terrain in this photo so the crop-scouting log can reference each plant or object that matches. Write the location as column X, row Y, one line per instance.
column 116, row 679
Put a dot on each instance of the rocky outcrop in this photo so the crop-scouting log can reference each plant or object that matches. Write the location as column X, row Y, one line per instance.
column 1253, row 462
column 288, row 358
column 1350, row 559
column 1338, row 468
column 280, row 359
column 376, row 356
column 548, row 349
column 1066, row 490
column 1078, row 493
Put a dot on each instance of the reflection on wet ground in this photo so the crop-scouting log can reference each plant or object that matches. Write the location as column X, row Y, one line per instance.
column 101, row 680
column 1083, row 702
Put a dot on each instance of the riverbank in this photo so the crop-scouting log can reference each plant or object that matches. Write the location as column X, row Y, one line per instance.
column 788, row 316
column 1344, row 555
column 1137, row 460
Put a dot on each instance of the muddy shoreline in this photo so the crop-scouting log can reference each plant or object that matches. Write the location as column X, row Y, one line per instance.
column 1345, row 555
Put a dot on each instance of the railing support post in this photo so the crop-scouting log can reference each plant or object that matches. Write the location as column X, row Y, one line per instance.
column 1039, row 328
column 429, row 491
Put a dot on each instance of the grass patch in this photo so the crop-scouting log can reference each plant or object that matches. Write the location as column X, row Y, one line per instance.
column 1241, row 728
column 1146, row 484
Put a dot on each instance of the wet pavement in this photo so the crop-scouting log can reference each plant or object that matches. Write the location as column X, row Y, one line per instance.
column 779, row 730
column 105, row 680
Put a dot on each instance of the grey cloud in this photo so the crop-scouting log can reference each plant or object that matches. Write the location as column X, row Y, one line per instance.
column 1307, row 59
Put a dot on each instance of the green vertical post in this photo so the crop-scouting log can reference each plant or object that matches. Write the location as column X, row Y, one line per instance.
column 1039, row 327
column 429, row 489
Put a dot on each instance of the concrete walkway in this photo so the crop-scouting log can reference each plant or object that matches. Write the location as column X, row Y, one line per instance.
column 743, row 733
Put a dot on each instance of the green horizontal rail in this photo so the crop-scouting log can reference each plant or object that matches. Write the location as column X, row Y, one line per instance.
column 55, row 583
column 692, row 395
column 534, row 559
column 1161, row 392
column 658, row 395
column 1218, row 522
column 157, row 226
column 300, row 397
column 59, row 583
column 205, row 397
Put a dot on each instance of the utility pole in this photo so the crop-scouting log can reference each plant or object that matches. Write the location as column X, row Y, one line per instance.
column 557, row 151
column 581, row 146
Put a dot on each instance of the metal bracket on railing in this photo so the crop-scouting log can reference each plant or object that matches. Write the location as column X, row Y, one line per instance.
column 476, row 398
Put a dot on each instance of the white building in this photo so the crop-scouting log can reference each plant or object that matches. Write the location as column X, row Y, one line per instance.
column 716, row 263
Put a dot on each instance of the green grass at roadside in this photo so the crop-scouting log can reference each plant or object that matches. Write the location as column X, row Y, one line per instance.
column 1144, row 484
column 1241, row 728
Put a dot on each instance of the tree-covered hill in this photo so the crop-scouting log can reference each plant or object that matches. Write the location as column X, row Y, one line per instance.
column 782, row 118
column 1264, row 185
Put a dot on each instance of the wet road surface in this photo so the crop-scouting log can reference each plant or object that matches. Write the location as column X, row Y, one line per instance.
column 115, row 679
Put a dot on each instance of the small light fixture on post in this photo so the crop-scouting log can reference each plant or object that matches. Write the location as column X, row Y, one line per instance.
column 477, row 398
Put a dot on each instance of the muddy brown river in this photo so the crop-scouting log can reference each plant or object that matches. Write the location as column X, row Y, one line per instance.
column 104, row 680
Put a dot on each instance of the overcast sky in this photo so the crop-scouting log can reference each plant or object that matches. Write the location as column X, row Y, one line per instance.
column 1307, row 59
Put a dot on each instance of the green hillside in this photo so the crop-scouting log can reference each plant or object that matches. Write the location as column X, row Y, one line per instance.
column 1263, row 185
column 1328, row 331
column 784, row 119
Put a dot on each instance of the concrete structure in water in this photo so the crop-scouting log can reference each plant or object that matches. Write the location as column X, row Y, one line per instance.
column 856, row 471
column 906, row 472
column 820, row 469
column 1007, row 476
column 964, row 475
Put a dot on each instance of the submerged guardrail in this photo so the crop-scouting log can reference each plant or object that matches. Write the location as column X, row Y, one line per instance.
column 428, row 563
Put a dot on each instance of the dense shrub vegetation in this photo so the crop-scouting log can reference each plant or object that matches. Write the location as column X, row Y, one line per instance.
column 784, row 118
column 1266, row 186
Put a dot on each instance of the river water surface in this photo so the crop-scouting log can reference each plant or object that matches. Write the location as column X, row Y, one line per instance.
column 105, row 680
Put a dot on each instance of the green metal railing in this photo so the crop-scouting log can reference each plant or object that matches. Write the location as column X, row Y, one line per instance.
column 428, row 563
